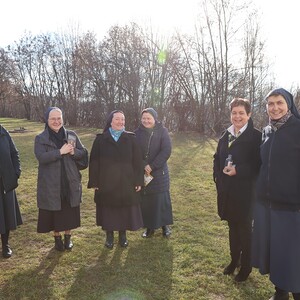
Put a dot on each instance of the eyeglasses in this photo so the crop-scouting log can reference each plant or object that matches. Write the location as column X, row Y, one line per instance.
column 55, row 119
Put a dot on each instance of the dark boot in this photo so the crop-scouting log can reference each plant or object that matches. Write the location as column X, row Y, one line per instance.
column 6, row 250
column 123, row 239
column 235, row 263
column 296, row 296
column 109, row 243
column 230, row 268
column 166, row 231
column 243, row 274
column 59, row 245
column 280, row 294
column 67, row 242
column 148, row 233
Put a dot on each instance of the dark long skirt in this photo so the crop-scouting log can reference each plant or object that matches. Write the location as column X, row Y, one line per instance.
column 276, row 246
column 157, row 210
column 119, row 218
column 62, row 220
column 10, row 215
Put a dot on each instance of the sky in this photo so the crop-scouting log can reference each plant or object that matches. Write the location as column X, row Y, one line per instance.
column 278, row 20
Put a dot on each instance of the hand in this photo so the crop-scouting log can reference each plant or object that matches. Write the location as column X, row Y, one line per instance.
column 72, row 151
column 230, row 170
column 148, row 169
column 66, row 148
column 137, row 188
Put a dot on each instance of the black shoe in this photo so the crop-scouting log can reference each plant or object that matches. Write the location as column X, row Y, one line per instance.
column 296, row 296
column 109, row 243
column 148, row 233
column 59, row 245
column 280, row 296
column 243, row 274
column 166, row 231
column 6, row 251
column 67, row 242
column 230, row 268
column 123, row 239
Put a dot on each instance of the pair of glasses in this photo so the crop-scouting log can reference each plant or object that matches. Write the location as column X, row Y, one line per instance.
column 54, row 119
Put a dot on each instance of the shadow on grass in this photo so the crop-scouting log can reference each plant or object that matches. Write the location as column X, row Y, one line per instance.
column 33, row 283
column 142, row 271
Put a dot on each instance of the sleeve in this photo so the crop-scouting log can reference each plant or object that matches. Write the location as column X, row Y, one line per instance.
column 94, row 164
column 80, row 154
column 14, row 156
column 216, row 164
column 42, row 153
column 164, row 153
column 138, row 163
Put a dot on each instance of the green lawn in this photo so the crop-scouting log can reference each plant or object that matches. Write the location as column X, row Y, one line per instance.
column 187, row 266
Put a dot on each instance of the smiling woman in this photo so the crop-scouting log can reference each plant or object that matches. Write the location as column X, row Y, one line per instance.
column 277, row 107
column 116, row 175
column 239, row 117
column 59, row 180
column 276, row 231
column 235, row 183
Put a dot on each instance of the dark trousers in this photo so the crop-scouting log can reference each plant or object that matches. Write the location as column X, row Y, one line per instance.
column 240, row 242
column 4, row 238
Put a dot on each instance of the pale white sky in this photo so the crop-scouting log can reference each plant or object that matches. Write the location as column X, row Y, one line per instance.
column 278, row 18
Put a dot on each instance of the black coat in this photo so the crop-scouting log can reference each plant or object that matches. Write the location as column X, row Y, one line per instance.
column 278, row 184
column 236, row 193
column 116, row 169
column 156, row 149
column 10, row 169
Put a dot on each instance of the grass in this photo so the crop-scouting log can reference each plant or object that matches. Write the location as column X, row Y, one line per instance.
column 187, row 266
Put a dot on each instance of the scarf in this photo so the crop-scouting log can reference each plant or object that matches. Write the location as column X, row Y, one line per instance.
column 116, row 133
column 58, row 138
column 274, row 125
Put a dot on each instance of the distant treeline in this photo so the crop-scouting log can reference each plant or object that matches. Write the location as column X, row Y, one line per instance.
column 189, row 80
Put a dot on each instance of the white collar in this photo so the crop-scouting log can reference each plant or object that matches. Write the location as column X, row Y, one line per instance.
column 231, row 129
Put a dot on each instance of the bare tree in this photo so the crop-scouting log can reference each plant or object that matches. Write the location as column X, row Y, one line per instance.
column 190, row 80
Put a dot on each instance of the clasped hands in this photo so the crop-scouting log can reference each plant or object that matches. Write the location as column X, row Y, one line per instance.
column 67, row 149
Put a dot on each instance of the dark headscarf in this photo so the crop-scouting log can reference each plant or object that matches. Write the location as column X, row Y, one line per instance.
column 109, row 119
column 57, row 137
column 47, row 113
column 288, row 98
column 152, row 112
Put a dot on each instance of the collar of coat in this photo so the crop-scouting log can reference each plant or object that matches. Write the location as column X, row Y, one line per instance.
column 124, row 135
column 45, row 137
column 244, row 134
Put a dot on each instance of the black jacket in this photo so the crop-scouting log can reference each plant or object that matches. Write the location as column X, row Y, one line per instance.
column 236, row 193
column 116, row 169
column 278, row 184
column 10, row 169
column 156, row 148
